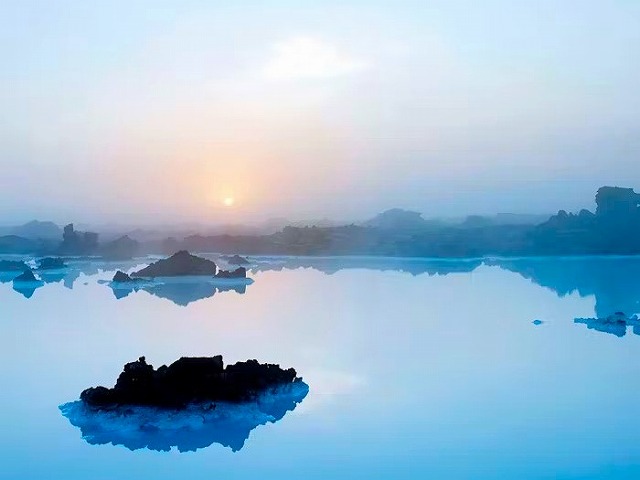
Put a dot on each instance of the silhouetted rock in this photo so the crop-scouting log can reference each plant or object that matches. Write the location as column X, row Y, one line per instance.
column 236, row 260
column 51, row 263
column 121, row 277
column 189, row 380
column 181, row 263
column 12, row 266
column 239, row 272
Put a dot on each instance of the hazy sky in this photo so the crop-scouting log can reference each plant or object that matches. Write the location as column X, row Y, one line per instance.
column 159, row 110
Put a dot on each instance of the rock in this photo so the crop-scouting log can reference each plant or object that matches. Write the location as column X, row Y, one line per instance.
column 27, row 276
column 13, row 266
column 51, row 263
column 236, row 260
column 239, row 272
column 121, row 277
column 189, row 380
column 181, row 263
column 537, row 322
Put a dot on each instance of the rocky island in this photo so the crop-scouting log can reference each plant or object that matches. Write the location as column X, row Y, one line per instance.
column 190, row 380
column 179, row 264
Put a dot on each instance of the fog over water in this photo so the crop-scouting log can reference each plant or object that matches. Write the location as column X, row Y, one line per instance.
column 162, row 110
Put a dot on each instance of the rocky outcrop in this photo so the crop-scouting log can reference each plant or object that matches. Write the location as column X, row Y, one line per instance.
column 236, row 260
column 121, row 277
column 239, row 272
column 181, row 263
column 51, row 263
column 12, row 266
column 189, row 380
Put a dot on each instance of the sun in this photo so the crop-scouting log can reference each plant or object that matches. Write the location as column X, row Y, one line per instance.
column 228, row 201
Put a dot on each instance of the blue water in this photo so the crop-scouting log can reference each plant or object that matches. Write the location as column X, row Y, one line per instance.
column 416, row 368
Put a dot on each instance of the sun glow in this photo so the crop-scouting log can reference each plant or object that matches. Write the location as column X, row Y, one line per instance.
column 228, row 201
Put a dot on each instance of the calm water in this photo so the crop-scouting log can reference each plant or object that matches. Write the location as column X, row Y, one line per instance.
column 417, row 369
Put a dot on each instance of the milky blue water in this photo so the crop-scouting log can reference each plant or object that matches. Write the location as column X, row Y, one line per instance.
column 417, row 369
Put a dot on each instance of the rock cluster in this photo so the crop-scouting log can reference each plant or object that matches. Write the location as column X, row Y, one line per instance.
column 239, row 272
column 181, row 263
column 189, row 380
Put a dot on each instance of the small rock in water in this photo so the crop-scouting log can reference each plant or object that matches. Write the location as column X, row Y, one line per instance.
column 537, row 322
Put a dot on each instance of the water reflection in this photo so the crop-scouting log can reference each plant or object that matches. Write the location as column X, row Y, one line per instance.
column 188, row 430
column 182, row 292
column 331, row 265
column 615, row 324
column 614, row 282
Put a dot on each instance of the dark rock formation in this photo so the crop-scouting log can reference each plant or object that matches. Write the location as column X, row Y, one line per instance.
column 12, row 266
column 239, row 272
column 181, row 263
column 51, row 263
column 236, row 260
column 189, row 380
column 122, row 277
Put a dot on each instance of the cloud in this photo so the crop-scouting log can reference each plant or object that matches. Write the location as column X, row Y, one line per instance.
column 305, row 57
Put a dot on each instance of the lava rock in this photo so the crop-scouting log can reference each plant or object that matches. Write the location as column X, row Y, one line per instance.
column 239, row 272
column 121, row 277
column 181, row 263
column 189, row 380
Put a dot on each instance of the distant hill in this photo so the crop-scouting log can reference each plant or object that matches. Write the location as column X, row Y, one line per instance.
column 397, row 219
column 36, row 230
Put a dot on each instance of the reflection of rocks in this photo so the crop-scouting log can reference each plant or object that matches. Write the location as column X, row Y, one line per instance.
column 181, row 263
column 12, row 266
column 27, row 283
column 180, row 290
column 331, row 265
column 181, row 293
column 51, row 263
column 197, row 426
column 614, row 282
column 615, row 324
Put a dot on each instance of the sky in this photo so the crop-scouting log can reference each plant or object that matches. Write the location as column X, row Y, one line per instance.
column 163, row 111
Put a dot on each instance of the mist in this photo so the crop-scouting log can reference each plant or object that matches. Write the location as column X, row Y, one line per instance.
column 159, row 111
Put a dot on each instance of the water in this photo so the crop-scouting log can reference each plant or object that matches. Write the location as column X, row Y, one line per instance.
column 417, row 369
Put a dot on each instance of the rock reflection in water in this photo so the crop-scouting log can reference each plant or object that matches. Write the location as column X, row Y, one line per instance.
column 197, row 426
